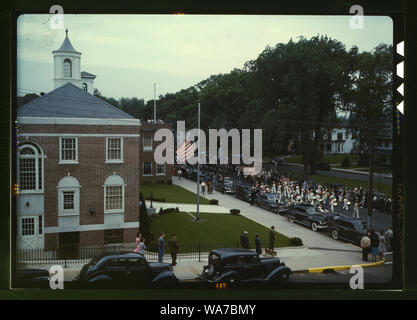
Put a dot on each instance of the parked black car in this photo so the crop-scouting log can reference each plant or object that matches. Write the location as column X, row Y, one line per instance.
column 225, row 184
column 243, row 192
column 125, row 270
column 307, row 215
column 31, row 278
column 268, row 202
column 346, row 228
column 234, row 265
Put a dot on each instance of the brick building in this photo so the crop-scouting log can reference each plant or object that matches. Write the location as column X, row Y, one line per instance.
column 78, row 165
column 151, row 172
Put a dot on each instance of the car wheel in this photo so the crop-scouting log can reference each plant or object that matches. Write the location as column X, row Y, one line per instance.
column 314, row 226
column 291, row 219
column 335, row 234
column 285, row 277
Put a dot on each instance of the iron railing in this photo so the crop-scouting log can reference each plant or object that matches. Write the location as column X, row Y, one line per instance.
column 69, row 255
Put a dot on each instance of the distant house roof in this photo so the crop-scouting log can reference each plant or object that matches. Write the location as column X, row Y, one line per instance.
column 85, row 74
column 70, row 101
column 66, row 46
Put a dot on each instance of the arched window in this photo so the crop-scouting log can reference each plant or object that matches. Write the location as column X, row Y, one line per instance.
column 114, row 191
column 85, row 88
column 67, row 68
column 30, row 168
column 68, row 196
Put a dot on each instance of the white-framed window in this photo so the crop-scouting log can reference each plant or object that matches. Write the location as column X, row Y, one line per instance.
column 68, row 196
column 28, row 226
column 147, row 144
column 160, row 169
column 114, row 194
column 67, row 68
column 114, row 150
column 68, row 150
column 147, row 168
column 30, row 168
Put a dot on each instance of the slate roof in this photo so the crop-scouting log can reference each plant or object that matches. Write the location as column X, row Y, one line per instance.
column 70, row 101
column 85, row 74
column 66, row 46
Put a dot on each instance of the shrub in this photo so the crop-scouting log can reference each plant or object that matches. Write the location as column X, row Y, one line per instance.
column 235, row 211
column 346, row 162
column 296, row 241
column 214, row 201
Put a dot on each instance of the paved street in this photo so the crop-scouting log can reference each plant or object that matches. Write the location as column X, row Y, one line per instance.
column 319, row 249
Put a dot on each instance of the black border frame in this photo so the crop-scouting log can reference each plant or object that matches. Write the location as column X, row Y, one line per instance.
column 402, row 20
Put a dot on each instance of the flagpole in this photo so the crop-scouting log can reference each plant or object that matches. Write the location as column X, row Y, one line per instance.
column 154, row 103
column 198, row 166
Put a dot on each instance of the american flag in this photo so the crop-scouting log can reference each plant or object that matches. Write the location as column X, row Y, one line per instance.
column 186, row 151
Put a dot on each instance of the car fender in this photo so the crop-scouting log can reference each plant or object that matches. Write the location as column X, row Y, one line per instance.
column 166, row 275
column 227, row 275
column 277, row 271
column 100, row 278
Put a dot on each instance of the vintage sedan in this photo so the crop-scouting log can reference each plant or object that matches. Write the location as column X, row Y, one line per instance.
column 226, row 184
column 268, row 202
column 125, row 270
column 235, row 265
column 31, row 278
column 243, row 192
column 347, row 228
column 308, row 215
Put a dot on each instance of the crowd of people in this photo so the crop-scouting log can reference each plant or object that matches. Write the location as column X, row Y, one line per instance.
column 292, row 191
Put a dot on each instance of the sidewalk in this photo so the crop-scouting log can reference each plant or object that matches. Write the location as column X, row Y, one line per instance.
column 297, row 259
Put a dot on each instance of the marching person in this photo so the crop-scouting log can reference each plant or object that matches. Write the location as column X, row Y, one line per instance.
column 356, row 209
column 345, row 204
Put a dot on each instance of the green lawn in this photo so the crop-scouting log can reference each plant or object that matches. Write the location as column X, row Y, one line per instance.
column 213, row 230
column 171, row 193
column 334, row 159
column 351, row 183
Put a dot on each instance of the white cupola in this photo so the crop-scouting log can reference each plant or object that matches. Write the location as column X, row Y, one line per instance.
column 67, row 67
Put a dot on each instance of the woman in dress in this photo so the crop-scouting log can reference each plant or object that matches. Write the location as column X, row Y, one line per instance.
column 382, row 248
column 138, row 236
column 142, row 246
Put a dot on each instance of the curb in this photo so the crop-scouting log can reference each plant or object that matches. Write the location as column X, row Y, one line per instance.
column 338, row 268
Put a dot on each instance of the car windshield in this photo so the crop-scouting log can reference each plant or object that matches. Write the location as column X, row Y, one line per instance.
column 270, row 197
column 360, row 226
column 313, row 210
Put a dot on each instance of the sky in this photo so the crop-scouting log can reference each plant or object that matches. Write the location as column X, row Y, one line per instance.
column 129, row 53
